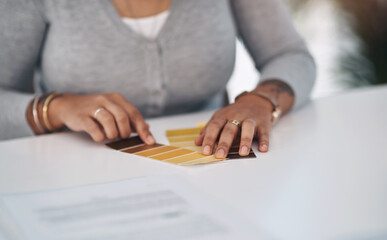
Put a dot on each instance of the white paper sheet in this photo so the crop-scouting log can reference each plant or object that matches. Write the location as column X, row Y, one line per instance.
column 142, row 208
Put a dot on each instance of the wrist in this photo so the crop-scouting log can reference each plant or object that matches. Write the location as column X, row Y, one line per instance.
column 250, row 99
column 274, row 108
column 278, row 90
column 41, row 115
column 33, row 122
column 54, row 112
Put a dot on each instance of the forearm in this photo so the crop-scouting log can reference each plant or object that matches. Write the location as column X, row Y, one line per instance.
column 13, row 122
column 297, row 70
column 22, row 31
column 278, row 51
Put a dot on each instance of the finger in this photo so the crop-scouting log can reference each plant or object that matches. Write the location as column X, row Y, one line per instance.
column 121, row 119
column 142, row 128
column 200, row 138
column 92, row 128
column 226, row 138
column 211, row 135
column 248, row 129
column 106, row 119
column 263, row 137
column 135, row 117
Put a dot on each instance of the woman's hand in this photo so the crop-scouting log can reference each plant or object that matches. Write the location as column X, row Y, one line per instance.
column 117, row 117
column 255, row 115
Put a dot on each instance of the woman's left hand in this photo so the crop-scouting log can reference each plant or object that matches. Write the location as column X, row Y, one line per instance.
column 254, row 114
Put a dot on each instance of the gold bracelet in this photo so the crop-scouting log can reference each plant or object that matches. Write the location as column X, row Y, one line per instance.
column 35, row 114
column 50, row 97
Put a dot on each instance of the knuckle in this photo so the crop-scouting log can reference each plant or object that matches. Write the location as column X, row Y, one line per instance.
column 209, row 140
column 141, row 126
column 250, row 121
column 121, row 118
column 228, row 131
column 262, row 129
column 117, row 96
column 98, row 137
column 113, row 134
column 134, row 114
column 246, row 140
column 214, row 124
column 223, row 145
column 264, row 137
column 107, row 118
column 264, row 133
column 215, row 116
column 203, row 132
column 139, row 121
column 91, row 128
column 101, row 99
column 260, row 123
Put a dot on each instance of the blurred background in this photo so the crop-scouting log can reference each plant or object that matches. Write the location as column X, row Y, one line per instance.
column 348, row 39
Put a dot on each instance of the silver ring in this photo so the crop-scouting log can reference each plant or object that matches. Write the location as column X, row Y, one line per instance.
column 97, row 111
column 235, row 122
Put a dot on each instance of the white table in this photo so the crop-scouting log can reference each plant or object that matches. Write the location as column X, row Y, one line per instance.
column 325, row 176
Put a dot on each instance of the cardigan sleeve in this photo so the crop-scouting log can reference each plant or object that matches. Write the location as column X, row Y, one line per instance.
column 22, row 29
column 278, row 51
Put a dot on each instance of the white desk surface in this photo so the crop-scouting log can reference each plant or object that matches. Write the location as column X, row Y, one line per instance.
column 325, row 176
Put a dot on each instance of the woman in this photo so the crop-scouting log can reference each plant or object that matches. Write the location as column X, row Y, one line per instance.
column 116, row 61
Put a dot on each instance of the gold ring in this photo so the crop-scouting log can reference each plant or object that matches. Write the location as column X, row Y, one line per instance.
column 235, row 122
column 97, row 111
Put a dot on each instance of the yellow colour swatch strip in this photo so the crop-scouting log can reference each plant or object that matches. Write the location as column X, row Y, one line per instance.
column 139, row 148
column 155, row 151
column 208, row 159
column 187, row 138
column 171, row 154
column 185, row 158
column 194, row 148
column 183, row 144
column 183, row 132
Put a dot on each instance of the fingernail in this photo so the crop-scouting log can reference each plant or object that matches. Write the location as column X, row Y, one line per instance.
column 264, row 147
column 220, row 153
column 207, row 150
column 244, row 150
column 150, row 140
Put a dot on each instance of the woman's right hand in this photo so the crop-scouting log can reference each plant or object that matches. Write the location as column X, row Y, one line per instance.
column 117, row 117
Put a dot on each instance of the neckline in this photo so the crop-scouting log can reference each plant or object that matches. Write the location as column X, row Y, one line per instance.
column 148, row 27
column 111, row 11
column 166, row 12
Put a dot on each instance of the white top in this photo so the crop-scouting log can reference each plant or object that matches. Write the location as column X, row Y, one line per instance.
column 148, row 27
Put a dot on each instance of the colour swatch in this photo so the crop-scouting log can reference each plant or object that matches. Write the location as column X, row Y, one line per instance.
column 169, row 154
column 185, row 138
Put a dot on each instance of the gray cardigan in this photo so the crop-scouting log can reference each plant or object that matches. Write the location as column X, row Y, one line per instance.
column 82, row 46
